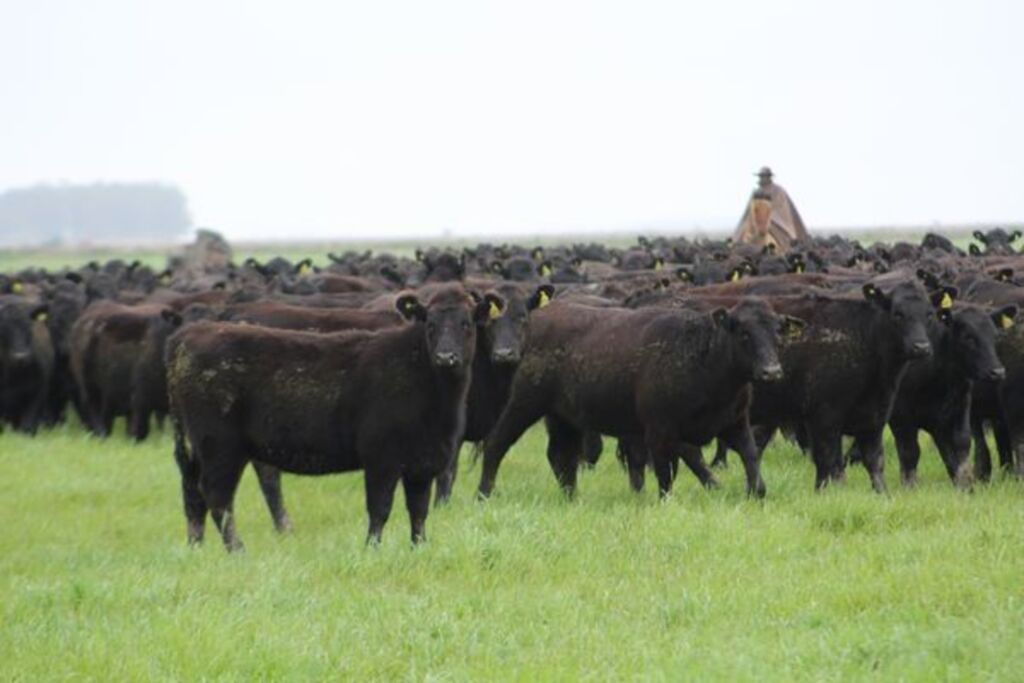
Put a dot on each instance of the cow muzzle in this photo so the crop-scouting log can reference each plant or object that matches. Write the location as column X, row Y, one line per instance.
column 446, row 359
column 920, row 349
column 505, row 356
column 769, row 373
column 996, row 374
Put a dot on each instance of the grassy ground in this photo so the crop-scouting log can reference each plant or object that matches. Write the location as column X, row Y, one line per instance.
column 96, row 581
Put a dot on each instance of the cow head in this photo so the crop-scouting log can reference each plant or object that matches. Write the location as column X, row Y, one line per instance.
column 756, row 330
column 508, row 313
column 17, row 320
column 908, row 309
column 972, row 335
column 449, row 321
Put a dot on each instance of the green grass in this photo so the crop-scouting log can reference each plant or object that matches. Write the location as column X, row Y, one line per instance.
column 96, row 581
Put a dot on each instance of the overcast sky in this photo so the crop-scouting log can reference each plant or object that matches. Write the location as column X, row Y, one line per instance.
column 285, row 120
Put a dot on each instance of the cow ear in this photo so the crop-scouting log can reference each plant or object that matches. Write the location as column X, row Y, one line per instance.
column 171, row 316
column 411, row 308
column 720, row 316
column 537, row 254
column 876, row 296
column 945, row 316
column 684, row 275
column 980, row 236
column 1005, row 275
column 1015, row 235
column 541, row 298
column 973, row 250
column 40, row 313
column 1004, row 317
column 419, row 254
column 577, row 262
column 944, row 297
column 490, row 307
column 791, row 327
column 544, row 269
column 73, row 277
column 497, row 267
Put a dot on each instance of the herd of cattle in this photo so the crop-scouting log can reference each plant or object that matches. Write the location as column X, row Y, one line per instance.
column 388, row 365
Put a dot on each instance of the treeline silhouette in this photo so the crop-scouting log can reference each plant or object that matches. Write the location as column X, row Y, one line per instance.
column 46, row 215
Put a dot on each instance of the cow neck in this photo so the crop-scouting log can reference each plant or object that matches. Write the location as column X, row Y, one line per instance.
column 722, row 355
column 950, row 366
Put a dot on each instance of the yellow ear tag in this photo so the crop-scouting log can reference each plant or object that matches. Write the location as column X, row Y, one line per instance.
column 659, row 264
column 947, row 301
column 545, row 271
column 735, row 275
column 1006, row 322
column 799, row 268
column 543, row 299
column 494, row 311
column 164, row 279
column 305, row 269
column 41, row 317
column 16, row 288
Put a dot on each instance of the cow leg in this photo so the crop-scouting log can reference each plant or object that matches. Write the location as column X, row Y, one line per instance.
column 826, row 449
column 1004, row 443
column 417, row 502
column 105, row 425
column 740, row 439
column 762, row 437
column 592, row 447
column 982, row 455
column 220, row 473
column 909, row 452
column 633, row 453
column 516, row 418
column 270, row 484
column 954, row 446
column 870, row 446
column 380, row 495
column 663, row 456
column 565, row 450
column 446, row 480
column 138, row 424
column 694, row 459
column 194, row 503
column 721, row 459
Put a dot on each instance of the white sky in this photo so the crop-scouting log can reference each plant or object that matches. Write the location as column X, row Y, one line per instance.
column 376, row 118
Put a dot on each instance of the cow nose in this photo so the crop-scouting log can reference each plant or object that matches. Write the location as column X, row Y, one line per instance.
column 446, row 359
column 770, row 373
column 996, row 374
column 921, row 349
column 505, row 356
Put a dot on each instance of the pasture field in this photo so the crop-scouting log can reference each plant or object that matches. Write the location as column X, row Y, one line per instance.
column 97, row 583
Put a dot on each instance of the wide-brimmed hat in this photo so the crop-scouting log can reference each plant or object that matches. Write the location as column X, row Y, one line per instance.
column 765, row 171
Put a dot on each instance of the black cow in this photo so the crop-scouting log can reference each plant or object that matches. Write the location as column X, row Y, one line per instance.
column 935, row 394
column 390, row 403
column 675, row 379
column 841, row 377
column 26, row 363
column 499, row 346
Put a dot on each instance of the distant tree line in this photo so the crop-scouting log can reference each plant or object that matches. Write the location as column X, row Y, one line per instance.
column 96, row 213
